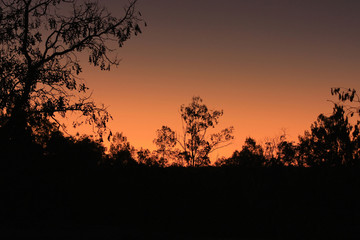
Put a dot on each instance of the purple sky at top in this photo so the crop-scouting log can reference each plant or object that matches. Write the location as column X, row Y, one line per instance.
column 269, row 64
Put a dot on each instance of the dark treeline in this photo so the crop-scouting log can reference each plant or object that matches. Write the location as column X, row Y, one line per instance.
column 71, row 186
column 331, row 142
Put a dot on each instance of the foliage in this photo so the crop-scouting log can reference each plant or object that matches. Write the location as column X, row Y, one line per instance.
column 350, row 98
column 331, row 142
column 165, row 142
column 39, row 67
column 278, row 151
column 287, row 153
column 121, row 152
column 194, row 143
column 150, row 159
column 251, row 155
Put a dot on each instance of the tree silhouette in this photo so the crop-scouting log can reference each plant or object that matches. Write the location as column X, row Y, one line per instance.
column 251, row 155
column 39, row 67
column 150, row 159
column 121, row 152
column 278, row 151
column 194, row 142
column 287, row 153
column 331, row 142
column 349, row 97
column 166, row 141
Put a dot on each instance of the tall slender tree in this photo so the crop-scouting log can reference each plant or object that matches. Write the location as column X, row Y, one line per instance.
column 195, row 141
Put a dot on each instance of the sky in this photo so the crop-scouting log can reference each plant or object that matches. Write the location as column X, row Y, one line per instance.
column 269, row 64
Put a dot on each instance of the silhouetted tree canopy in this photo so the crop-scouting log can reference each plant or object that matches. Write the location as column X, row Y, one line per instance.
column 251, row 155
column 278, row 151
column 165, row 142
column 332, row 141
column 121, row 152
column 39, row 67
column 150, row 159
column 287, row 153
column 350, row 98
column 194, row 141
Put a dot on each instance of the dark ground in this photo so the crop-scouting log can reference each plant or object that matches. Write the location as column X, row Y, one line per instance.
column 181, row 203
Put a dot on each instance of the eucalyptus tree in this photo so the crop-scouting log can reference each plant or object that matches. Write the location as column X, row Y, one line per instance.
column 349, row 98
column 332, row 141
column 195, row 142
column 40, row 45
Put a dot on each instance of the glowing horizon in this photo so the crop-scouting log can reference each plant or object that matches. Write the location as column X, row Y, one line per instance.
column 268, row 64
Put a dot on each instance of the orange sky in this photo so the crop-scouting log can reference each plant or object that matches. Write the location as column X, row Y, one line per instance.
column 269, row 64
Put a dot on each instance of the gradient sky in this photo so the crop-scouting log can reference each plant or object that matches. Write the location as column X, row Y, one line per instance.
column 269, row 64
